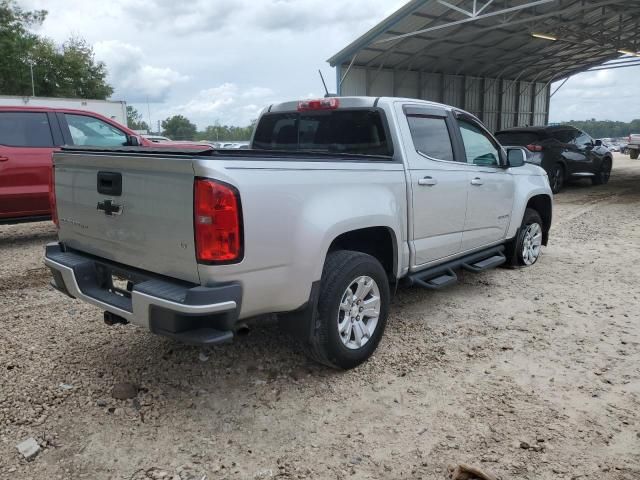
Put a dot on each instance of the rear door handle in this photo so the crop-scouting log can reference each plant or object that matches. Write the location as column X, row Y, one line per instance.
column 428, row 181
column 477, row 181
column 4, row 159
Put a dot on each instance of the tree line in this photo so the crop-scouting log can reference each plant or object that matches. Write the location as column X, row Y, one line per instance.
column 67, row 70
column 179, row 127
column 606, row 128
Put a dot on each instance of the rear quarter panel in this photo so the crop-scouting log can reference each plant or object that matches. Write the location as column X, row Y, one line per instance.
column 292, row 211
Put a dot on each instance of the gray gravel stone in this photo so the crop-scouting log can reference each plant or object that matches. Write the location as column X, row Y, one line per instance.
column 29, row 448
column 124, row 391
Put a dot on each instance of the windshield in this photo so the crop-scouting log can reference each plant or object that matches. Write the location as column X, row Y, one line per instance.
column 359, row 131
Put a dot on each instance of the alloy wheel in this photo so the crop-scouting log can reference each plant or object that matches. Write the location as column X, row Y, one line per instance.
column 359, row 312
column 531, row 244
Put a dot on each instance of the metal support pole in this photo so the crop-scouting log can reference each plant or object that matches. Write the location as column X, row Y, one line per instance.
column 500, row 106
column 561, row 85
column 33, row 85
column 483, row 115
column 518, row 93
column 548, row 102
column 463, row 93
column 533, row 104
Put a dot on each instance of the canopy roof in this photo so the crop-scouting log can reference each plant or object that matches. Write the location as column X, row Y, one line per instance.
column 495, row 38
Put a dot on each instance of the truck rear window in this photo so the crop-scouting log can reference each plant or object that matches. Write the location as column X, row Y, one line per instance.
column 359, row 132
column 517, row 139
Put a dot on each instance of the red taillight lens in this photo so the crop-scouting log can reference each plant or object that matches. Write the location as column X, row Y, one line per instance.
column 52, row 197
column 217, row 222
column 534, row 148
column 319, row 104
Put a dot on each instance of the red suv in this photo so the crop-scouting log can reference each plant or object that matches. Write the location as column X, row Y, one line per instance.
column 28, row 137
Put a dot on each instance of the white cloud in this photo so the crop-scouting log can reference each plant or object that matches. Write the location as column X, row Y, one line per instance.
column 227, row 104
column 185, row 18
column 132, row 77
column 603, row 95
column 295, row 15
column 226, row 59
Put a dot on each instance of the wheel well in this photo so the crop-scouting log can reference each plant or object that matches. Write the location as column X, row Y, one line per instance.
column 379, row 242
column 542, row 205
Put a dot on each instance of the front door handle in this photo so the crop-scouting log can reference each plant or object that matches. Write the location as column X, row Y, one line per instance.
column 477, row 181
column 428, row 181
column 4, row 159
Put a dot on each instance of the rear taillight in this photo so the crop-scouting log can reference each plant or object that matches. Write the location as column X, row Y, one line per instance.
column 534, row 148
column 217, row 222
column 319, row 104
column 52, row 196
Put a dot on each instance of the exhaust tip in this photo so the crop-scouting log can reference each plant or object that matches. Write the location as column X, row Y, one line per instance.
column 242, row 330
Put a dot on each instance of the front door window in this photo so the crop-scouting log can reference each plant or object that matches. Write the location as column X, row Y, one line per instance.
column 86, row 130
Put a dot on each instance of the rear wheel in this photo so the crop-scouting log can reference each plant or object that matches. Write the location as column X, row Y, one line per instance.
column 556, row 177
column 602, row 177
column 633, row 153
column 352, row 310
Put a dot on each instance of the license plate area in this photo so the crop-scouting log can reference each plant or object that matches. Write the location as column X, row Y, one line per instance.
column 115, row 281
column 121, row 286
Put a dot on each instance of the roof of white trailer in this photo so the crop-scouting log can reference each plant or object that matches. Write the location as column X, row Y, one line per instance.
column 495, row 38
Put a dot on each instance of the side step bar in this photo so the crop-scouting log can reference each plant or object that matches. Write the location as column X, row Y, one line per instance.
column 443, row 275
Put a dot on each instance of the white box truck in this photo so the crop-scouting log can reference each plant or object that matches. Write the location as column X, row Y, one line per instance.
column 113, row 109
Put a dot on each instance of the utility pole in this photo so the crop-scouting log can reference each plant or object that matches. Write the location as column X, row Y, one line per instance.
column 149, row 112
column 33, row 85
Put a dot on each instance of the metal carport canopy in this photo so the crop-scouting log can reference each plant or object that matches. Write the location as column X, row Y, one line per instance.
column 495, row 47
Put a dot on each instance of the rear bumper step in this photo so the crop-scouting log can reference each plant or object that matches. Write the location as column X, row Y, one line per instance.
column 443, row 275
column 187, row 312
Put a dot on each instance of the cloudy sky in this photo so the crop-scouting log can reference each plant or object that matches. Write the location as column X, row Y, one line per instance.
column 222, row 60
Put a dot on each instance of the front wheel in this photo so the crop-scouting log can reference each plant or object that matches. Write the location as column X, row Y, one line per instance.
column 527, row 247
column 633, row 153
column 602, row 177
column 352, row 310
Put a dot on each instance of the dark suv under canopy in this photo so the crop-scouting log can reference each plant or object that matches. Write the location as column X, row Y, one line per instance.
column 565, row 153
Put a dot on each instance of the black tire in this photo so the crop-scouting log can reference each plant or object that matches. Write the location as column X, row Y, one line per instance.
column 556, row 177
column 602, row 177
column 341, row 269
column 515, row 250
column 633, row 153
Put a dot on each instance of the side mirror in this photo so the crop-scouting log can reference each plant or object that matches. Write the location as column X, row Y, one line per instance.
column 516, row 157
column 133, row 141
column 598, row 143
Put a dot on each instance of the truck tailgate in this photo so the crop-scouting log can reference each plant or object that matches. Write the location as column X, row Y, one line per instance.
column 147, row 223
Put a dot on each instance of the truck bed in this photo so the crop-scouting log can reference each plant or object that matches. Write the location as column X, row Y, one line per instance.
column 292, row 204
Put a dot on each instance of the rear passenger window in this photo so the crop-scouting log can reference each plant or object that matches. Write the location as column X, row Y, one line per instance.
column 25, row 129
column 431, row 137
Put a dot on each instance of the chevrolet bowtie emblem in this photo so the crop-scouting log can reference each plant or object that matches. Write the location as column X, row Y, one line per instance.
column 110, row 208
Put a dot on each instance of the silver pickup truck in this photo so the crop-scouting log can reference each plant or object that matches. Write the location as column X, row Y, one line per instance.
column 337, row 200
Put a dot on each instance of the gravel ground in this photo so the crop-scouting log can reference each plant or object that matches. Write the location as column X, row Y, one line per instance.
column 527, row 374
